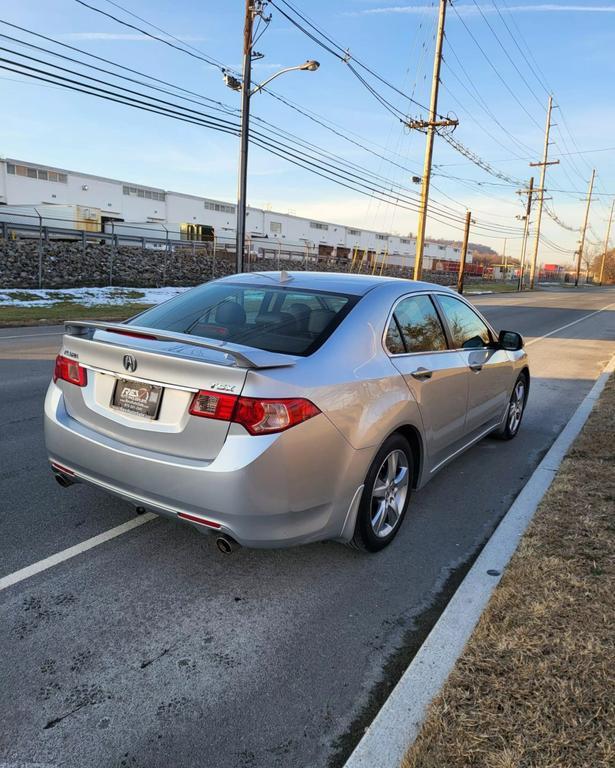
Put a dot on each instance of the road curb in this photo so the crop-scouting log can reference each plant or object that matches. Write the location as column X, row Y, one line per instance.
column 398, row 723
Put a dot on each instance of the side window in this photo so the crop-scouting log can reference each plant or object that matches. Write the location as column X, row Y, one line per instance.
column 394, row 341
column 467, row 329
column 415, row 327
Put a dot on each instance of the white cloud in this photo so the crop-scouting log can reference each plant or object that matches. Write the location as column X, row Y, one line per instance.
column 472, row 10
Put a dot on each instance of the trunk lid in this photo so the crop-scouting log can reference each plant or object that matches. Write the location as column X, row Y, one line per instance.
column 179, row 365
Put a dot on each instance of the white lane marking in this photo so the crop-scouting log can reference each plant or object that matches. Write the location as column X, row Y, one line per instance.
column 568, row 325
column 66, row 554
column 32, row 335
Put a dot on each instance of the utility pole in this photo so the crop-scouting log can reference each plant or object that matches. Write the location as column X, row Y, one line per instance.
column 543, row 169
column 244, row 137
column 606, row 244
column 504, row 259
column 584, row 230
column 464, row 252
column 526, row 231
column 429, row 126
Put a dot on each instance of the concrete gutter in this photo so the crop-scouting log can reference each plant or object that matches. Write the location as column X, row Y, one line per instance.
column 399, row 721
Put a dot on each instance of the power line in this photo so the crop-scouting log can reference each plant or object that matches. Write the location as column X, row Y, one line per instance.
column 343, row 52
column 202, row 57
column 391, row 108
column 508, row 56
column 215, row 104
column 552, row 215
column 478, row 98
column 493, row 67
column 477, row 160
column 296, row 156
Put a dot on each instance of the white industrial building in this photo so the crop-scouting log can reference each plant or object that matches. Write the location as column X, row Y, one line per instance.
column 26, row 184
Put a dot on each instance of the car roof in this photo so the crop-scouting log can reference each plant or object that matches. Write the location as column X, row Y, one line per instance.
column 340, row 282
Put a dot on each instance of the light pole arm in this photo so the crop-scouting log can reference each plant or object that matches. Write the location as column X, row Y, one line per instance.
column 310, row 66
column 258, row 88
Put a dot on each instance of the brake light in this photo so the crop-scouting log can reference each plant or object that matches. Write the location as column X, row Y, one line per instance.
column 265, row 416
column 133, row 334
column 258, row 416
column 70, row 370
column 213, row 405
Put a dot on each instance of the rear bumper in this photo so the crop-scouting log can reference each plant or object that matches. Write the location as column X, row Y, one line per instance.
column 276, row 490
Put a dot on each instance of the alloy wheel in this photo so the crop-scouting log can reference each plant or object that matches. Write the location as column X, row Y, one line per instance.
column 515, row 411
column 389, row 493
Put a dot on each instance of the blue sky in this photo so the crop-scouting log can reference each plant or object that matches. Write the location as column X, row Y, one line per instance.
column 571, row 44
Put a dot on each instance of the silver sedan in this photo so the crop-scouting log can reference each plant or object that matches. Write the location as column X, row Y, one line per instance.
column 275, row 409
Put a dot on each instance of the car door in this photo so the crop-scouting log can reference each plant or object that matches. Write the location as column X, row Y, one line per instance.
column 436, row 376
column 490, row 368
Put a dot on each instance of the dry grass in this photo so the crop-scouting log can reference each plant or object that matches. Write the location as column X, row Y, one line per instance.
column 535, row 685
column 67, row 310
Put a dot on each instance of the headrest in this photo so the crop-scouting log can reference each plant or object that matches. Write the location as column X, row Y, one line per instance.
column 230, row 313
column 298, row 309
column 320, row 319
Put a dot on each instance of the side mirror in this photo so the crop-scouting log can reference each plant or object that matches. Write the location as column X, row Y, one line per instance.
column 510, row 341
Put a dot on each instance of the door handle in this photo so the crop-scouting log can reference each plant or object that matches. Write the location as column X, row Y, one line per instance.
column 476, row 367
column 421, row 374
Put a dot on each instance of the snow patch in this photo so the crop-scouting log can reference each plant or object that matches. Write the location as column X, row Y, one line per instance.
column 88, row 297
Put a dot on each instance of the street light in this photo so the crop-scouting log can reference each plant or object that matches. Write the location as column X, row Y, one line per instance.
column 246, row 93
column 309, row 66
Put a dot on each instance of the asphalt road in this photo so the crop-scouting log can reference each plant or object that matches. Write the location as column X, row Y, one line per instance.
column 153, row 650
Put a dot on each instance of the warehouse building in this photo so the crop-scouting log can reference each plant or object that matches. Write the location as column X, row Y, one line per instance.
column 111, row 202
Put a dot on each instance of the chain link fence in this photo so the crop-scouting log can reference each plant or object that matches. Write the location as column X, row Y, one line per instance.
column 41, row 256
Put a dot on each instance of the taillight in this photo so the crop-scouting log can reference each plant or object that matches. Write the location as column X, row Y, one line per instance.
column 258, row 416
column 70, row 370
column 265, row 416
column 213, row 405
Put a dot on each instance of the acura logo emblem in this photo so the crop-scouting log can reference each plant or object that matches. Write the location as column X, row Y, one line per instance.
column 130, row 363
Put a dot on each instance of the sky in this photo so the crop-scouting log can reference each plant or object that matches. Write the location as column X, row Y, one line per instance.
column 501, row 59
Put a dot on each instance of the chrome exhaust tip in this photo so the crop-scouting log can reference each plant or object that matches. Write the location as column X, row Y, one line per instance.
column 226, row 545
column 63, row 480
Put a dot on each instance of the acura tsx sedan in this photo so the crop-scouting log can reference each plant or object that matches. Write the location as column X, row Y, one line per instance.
column 275, row 409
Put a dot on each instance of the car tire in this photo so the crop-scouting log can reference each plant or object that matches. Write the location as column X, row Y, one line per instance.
column 386, row 495
column 515, row 410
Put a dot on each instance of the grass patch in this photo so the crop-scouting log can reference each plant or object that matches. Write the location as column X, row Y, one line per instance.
column 534, row 686
column 128, row 294
column 22, row 295
column 57, row 313
column 488, row 286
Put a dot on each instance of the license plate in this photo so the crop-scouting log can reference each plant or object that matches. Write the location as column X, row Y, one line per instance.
column 137, row 398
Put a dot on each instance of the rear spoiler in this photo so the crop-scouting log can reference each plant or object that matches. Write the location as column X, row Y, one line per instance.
column 244, row 357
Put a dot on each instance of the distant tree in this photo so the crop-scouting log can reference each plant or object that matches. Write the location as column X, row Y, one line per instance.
column 485, row 258
column 609, row 267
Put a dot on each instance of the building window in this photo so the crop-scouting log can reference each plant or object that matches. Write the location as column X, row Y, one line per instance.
column 355, row 232
column 382, row 237
column 146, row 194
column 218, row 207
column 275, row 226
column 318, row 225
column 35, row 173
column 405, row 241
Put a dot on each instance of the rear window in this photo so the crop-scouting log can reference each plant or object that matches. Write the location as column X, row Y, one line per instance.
column 275, row 318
